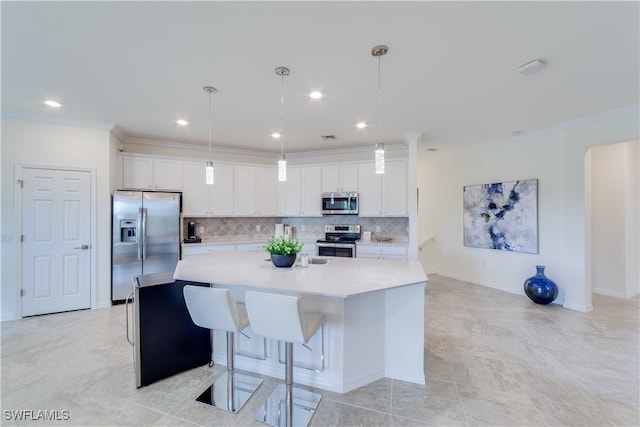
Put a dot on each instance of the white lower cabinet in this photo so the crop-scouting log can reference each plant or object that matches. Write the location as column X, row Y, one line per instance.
column 250, row 247
column 308, row 356
column 248, row 344
column 195, row 249
column 381, row 251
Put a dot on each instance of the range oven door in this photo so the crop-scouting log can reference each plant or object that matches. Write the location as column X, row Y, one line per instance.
column 336, row 249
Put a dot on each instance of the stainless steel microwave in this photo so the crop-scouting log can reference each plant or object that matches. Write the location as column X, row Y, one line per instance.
column 340, row 203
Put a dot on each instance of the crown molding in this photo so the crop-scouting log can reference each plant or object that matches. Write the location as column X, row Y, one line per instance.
column 255, row 153
column 196, row 147
column 56, row 120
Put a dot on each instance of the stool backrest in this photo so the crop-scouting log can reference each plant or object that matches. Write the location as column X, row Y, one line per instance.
column 275, row 316
column 212, row 308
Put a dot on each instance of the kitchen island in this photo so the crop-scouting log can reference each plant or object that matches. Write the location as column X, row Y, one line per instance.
column 374, row 316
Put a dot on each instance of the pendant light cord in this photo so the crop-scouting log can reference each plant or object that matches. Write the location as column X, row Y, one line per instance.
column 379, row 104
column 281, row 115
column 209, row 125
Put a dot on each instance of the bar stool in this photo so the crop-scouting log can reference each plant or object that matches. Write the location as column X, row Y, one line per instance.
column 280, row 317
column 214, row 308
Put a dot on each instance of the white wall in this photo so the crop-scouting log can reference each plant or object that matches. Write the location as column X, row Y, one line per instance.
column 37, row 143
column 556, row 157
column 614, row 209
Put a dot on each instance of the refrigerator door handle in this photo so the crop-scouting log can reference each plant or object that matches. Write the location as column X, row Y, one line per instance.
column 144, row 233
column 139, row 234
column 126, row 310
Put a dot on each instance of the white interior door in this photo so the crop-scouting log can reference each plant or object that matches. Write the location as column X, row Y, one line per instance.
column 56, row 228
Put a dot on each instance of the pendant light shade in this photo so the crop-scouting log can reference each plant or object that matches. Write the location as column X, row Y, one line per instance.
column 209, row 168
column 282, row 163
column 379, row 157
column 379, row 51
column 209, row 173
column 282, row 168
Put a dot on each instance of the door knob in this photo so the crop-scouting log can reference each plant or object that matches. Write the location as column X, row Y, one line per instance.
column 83, row 247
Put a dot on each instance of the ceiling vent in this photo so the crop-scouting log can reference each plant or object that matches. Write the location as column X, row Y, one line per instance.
column 328, row 137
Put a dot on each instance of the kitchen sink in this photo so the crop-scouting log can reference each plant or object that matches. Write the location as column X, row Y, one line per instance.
column 319, row 260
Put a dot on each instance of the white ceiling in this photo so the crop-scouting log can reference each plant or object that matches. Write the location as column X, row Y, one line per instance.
column 450, row 71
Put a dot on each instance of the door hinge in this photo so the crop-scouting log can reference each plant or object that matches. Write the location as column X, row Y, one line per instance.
column 20, row 183
column 21, row 238
column 21, row 292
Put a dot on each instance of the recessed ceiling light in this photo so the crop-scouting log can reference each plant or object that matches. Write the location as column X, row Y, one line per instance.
column 276, row 135
column 182, row 122
column 361, row 125
column 52, row 103
column 315, row 95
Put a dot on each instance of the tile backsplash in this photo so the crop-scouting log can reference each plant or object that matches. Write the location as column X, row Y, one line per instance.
column 258, row 228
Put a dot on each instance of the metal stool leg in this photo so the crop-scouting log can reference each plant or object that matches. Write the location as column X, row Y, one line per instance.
column 288, row 405
column 231, row 390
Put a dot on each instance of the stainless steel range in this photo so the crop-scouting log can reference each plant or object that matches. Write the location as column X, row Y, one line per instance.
column 339, row 240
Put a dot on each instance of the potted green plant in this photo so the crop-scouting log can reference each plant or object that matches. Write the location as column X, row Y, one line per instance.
column 283, row 251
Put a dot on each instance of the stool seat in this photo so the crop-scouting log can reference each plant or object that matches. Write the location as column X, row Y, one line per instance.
column 281, row 317
column 215, row 308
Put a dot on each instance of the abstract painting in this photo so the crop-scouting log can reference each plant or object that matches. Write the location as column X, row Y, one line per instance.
column 502, row 216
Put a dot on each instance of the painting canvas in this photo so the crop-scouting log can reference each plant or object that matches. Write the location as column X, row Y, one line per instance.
column 502, row 216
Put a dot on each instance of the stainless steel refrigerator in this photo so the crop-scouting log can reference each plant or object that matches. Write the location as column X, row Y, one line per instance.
column 145, row 237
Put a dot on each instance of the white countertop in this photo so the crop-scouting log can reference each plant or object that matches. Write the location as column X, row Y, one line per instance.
column 241, row 239
column 389, row 242
column 341, row 277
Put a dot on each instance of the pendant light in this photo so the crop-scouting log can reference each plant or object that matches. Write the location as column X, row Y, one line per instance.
column 379, row 51
column 209, row 169
column 282, row 163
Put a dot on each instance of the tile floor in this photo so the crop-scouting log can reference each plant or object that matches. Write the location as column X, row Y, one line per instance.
column 491, row 358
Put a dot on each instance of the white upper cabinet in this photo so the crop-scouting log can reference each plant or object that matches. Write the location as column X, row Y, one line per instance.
column 256, row 191
column 167, row 174
column 267, row 191
column 311, row 191
column 200, row 199
column 222, row 189
column 301, row 192
column 394, row 188
column 339, row 178
column 143, row 173
column 383, row 194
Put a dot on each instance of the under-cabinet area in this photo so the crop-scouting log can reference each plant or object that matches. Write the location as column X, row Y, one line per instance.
column 249, row 234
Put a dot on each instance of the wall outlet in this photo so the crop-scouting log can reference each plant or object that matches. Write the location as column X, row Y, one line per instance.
column 7, row 238
column 258, row 227
column 201, row 229
column 377, row 228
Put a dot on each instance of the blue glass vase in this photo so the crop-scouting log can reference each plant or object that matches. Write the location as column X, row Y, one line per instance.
column 539, row 288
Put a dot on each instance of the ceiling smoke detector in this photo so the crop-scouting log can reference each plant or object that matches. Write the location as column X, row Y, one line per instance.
column 531, row 67
column 327, row 137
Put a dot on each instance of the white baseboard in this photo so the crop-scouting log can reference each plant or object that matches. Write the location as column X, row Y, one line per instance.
column 615, row 294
